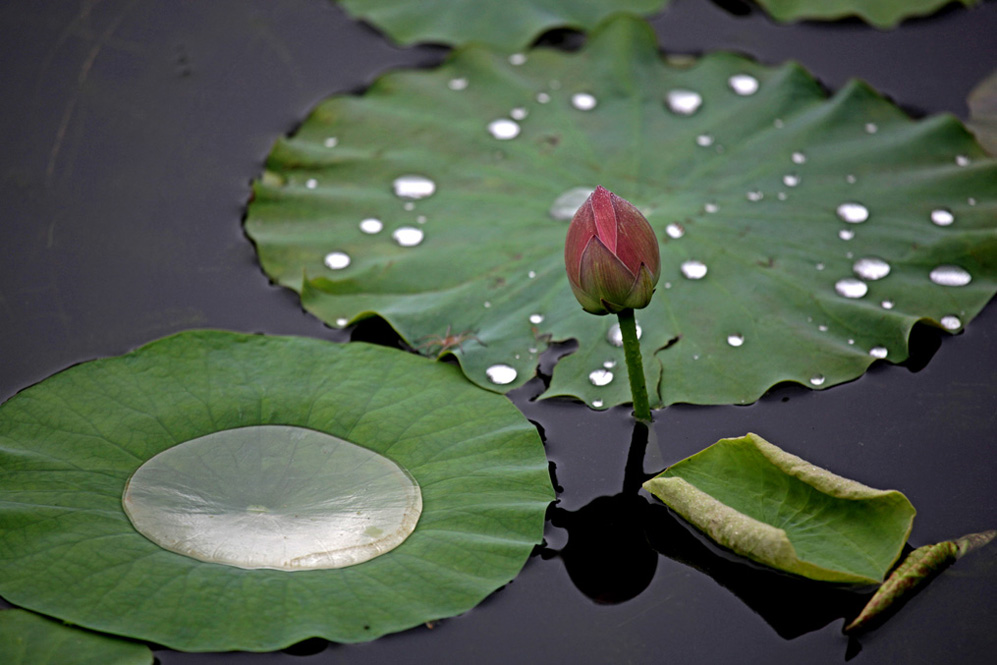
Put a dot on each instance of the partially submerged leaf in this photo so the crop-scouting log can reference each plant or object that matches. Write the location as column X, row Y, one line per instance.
column 777, row 509
column 982, row 103
column 802, row 238
column 506, row 24
column 29, row 639
column 880, row 13
column 69, row 445
column 920, row 566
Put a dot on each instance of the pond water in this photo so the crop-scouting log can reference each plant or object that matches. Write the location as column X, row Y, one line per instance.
column 133, row 132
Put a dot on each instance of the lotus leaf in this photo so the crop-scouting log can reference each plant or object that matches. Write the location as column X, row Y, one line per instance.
column 30, row 639
column 775, row 508
column 801, row 238
column 69, row 445
column 880, row 13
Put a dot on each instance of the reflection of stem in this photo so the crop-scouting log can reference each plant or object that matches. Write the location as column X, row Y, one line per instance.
column 633, row 473
column 635, row 368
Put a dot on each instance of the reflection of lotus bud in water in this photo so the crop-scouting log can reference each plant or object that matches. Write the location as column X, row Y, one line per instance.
column 611, row 255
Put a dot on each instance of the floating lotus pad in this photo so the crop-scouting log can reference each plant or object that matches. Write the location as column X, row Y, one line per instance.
column 508, row 24
column 880, row 13
column 273, row 496
column 802, row 238
column 69, row 445
column 775, row 508
column 29, row 639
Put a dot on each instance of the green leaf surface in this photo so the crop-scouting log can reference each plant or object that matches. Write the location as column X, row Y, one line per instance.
column 775, row 508
column 69, row 445
column 30, row 639
column 982, row 103
column 752, row 184
column 506, row 24
column 880, row 13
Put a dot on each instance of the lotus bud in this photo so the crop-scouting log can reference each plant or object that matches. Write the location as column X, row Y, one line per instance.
column 611, row 255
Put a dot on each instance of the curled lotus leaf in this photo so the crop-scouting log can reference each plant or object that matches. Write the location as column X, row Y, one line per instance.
column 801, row 237
column 880, row 13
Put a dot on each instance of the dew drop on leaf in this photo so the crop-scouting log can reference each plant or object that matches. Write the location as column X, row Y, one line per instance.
column 331, row 142
column 341, row 322
column 600, row 377
column 961, row 160
column 683, row 102
column 583, row 101
column 704, row 140
column 754, row 195
column 871, row 268
column 711, row 207
column 536, row 319
column 693, row 269
column 846, row 234
column 853, row 213
column 951, row 322
column 886, row 304
column 615, row 335
column 371, row 225
column 517, row 59
column 457, row 84
column 949, row 275
column 675, row 230
column 879, row 352
column 791, row 180
column 743, row 84
column 518, row 113
column 735, row 340
column 871, row 128
column 850, row 179
column 817, row 379
column 311, row 183
column 503, row 129
column 799, row 158
column 501, row 374
column 609, row 364
column 851, row 287
column 413, row 187
column 408, row 236
column 543, row 97
column 597, row 403
column 337, row 260
column 942, row 217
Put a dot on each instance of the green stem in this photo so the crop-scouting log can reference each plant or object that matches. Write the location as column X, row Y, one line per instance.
column 635, row 367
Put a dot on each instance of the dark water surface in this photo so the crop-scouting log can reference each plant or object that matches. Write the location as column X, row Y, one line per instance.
column 131, row 131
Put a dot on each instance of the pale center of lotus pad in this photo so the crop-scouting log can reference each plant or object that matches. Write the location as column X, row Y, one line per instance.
column 273, row 496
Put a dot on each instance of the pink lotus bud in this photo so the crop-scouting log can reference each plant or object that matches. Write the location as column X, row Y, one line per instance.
column 611, row 255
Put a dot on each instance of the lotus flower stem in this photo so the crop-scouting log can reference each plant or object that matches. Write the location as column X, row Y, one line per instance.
column 635, row 366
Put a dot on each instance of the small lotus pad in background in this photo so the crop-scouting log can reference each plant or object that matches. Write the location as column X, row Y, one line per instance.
column 982, row 103
column 802, row 237
column 775, row 508
column 29, row 639
column 880, row 13
column 69, row 445
column 505, row 24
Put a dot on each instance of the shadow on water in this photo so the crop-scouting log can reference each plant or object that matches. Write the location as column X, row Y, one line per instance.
column 613, row 544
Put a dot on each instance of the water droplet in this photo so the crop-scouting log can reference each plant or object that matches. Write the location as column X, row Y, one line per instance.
column 799, row 158
column 503, row 129
column 951, row 322
column 311, row 183
column 609, row 364
column 675, row 230
column 597, row 403
column 853, row 213
column 871, row 268
column 851, row 342
column 850, row 179
column 532, row 350
column 846, row 234
column 583, row 101
column 536, row 319
column 501, row 374
column 341, row 322
column 819, row 266
column 487, row 304
column 822, row 328
column 518, row 113
column 371, row 225
column 791, row 180
column 950, row 276
column 408, row 236
column 851, row 287
column 600, row 377
column 735, row 340
column 962, row 160
column 567, row 204
column 817, row 379
column 871, row 128
column 413, row 187
column 693, row 269
column 704, row 140
column 782, row 196
column 543, row 97
column 886, row 304
column 778, row 123
column 755, row 195
column 971, row 201
column 337, row 260
column 615, row 335
column 331, row 142
column 409, row 206
column 517, row 59
column 879, row 352
column 420, row 219
column 683, row 102
column 457, row 84
column 942, row 217
column 711, row 208
column 743, row 84
column 531, row 274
